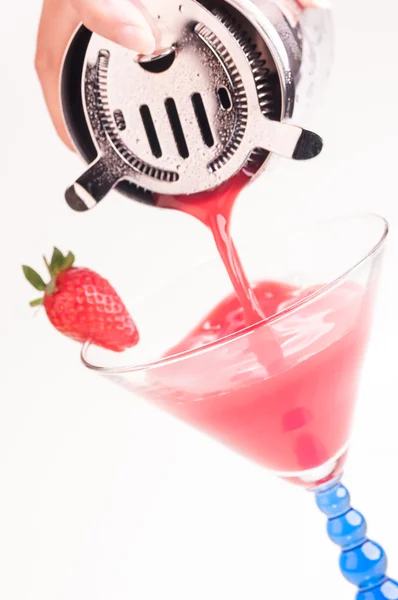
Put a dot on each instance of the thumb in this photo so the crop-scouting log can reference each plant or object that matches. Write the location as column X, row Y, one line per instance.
column 120, row 21
column 326, row 4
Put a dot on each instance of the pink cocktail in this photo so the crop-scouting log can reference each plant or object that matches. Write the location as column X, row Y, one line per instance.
column 292, row 414
column 282, row 391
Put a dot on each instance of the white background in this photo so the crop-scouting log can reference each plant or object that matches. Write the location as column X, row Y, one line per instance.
column 101, row 496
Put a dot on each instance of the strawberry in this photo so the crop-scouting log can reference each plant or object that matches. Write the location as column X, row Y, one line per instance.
column 83, row 305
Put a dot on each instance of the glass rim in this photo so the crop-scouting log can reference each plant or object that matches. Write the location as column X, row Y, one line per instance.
column 174, row 358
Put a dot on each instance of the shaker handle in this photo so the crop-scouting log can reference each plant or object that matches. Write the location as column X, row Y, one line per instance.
column 93, row 185
column 290, row 141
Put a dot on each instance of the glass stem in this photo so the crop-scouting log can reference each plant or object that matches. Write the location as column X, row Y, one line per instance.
column 362, row 562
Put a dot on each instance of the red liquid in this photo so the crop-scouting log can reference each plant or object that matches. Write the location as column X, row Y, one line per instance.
column 214, row 210
column 283, row 395
column 289, row 421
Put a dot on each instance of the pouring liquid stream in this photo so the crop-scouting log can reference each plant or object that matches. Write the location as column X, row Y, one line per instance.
column 214, row 208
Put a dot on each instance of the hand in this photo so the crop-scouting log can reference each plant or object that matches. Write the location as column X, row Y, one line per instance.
column 121, row 21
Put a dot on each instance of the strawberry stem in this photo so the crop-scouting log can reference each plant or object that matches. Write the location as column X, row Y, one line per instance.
column 50, row 287
column 47, row 265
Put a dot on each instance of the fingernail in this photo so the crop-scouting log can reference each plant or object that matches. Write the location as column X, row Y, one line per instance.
column 325, row 4
column 136, row 38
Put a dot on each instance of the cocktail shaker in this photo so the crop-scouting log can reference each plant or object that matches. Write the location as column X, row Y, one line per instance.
column 228, row 89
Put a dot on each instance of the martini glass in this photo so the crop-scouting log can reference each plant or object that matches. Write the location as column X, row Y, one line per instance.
column 282, row 392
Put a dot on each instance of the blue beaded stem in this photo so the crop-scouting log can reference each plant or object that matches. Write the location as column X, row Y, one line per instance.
column 362, row 561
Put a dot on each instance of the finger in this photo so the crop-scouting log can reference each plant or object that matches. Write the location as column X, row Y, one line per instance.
column 326, row 4
column 120, row 21
column 57, row 24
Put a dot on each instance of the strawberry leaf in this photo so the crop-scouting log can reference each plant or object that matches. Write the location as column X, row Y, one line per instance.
column 68, row 261
column 57, row 261
column 37, row 302
column 34, row 278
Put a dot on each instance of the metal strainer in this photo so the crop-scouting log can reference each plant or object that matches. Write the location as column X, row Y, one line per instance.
column 217, row 97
